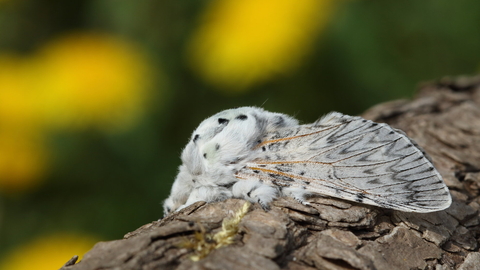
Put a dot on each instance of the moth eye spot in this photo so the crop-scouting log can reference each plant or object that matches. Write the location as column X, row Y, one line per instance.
column 217, row 146
column 364, row 120
column 409, row 145
column 256, row 171
column 431, row 168
column 241, row 117
column 204, row 155
column 222, row 121
column 264, row 149
column 391, row 132
column 374, row 124
column 191, row 223
column 194, row 181
column 196, row 137
column 169, row 209
column 279, row 121
column 302, row 173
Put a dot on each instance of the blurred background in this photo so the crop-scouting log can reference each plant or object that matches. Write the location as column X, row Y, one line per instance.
column 98, row 97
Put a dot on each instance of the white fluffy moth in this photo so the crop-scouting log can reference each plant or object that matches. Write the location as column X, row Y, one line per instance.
column 258, row 155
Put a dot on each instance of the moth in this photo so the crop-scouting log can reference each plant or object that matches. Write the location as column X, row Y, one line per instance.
column 257, row 155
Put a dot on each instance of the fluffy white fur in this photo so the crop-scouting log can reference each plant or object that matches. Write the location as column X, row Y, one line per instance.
column 217, row 149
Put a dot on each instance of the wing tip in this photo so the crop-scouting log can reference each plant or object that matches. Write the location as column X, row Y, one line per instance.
column 434, row 208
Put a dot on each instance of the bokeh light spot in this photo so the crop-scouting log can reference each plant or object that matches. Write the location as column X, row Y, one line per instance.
column 47, row 252
column 240, row 43
column 93, row 80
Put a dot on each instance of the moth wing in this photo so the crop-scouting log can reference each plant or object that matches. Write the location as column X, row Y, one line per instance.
column 353, row 159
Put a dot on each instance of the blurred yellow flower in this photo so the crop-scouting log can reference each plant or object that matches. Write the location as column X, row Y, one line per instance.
column 243, row 42
column 19, row 107
column 47, row 252
column 23, row 161
column 93, row 80
column 23, row 156
column 78, row 81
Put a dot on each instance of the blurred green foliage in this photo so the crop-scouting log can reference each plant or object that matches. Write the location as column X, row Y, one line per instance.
column 109, row 184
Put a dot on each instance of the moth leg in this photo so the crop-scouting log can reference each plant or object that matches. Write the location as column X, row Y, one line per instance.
column 255, row 192
column 207, row 194
column 298, row 194
column 181, row 189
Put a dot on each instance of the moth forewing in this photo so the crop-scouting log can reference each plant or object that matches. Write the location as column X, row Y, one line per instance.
column 353, row 159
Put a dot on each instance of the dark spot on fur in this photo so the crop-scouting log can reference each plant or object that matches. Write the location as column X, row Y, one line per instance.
column 364, row 120
column 256, row 171
column 279, row 121
column 241, row 117
column 204, row 155
column 222, row 121
column 264, row 149
column 306, row 182
column 194, row 181
column 391, row 132
column 227, row 185
column 196, row 137
column 302, row 173
column 409, row 145
column 374, row 124
column 217, row 146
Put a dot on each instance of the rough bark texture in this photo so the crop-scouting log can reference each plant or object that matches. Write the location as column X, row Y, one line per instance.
column 444, row 119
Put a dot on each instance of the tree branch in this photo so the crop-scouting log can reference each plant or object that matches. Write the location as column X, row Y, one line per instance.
column 443, row 118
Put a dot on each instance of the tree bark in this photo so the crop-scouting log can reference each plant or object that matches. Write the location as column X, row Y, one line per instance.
column 443, row 118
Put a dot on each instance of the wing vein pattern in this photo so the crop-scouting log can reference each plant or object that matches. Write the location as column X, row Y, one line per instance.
column 350, row 158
